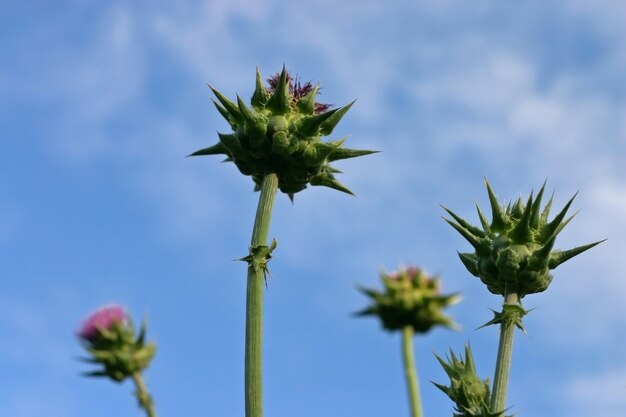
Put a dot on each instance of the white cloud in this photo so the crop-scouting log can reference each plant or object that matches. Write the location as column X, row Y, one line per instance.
column 201, row 36
column 89, row 82
column 487, row 80
column 599, row 394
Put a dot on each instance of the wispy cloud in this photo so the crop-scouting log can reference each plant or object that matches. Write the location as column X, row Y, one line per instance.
column 599, row 394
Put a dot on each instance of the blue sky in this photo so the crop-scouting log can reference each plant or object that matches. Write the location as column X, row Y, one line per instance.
column 101, row 101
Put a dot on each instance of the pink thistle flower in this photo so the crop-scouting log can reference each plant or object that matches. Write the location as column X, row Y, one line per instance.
column 101, row 319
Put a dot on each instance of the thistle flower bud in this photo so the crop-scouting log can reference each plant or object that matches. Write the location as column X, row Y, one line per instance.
column 108, row 336
column 469, row 393
column 513, row 253
column 281, row 133
column 410, row 298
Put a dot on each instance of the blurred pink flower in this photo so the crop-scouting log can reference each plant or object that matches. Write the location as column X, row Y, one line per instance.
column 103, row 318
column 413, row 271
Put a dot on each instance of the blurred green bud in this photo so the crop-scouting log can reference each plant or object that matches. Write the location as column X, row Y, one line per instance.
column 410, row 298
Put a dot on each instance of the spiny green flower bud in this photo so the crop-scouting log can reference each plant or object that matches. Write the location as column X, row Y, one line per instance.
column 108, row 335
column 410, row 298
column 469, row 393
column 513, row 253
column 281, row 133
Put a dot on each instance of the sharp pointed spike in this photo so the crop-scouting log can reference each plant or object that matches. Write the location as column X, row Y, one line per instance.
column 328, row 180
column 469, row 359
column 472, row 229
column 329, row 125
column 229, row 106
column 483, row 220
column 558, row 257
column 226, row 115
column 534, row 217
column 245, row 111
column 231, row 143
column 522, row 231
column 311, row 125
column 280, row 100
column 470, row 261
column 307, row 103
column 542, row 254
column 367, row 291
column 546, row 210
column 94, row 374
column 550, row 228
column 260, row 95
column 498, row 221
column 473, row 240
column 142, row 333
column 343, row 153
column 217, row 149
column 564, row 223
column 445, row 365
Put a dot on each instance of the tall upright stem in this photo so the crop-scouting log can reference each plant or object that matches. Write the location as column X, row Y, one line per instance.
column 254, row 303
column 142, row 394
column 410, row 371
column 503, row 363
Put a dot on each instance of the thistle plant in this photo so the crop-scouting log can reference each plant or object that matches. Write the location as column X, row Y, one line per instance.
column 276, row 141
column 108, row 336
column 280, row 133
column 470, row 394
column 411, row 302
column 513, row 256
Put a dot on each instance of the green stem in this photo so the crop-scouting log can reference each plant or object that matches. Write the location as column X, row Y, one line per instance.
column 254, row 302
column 410, row 371
column 142, row 394
column 503, row 363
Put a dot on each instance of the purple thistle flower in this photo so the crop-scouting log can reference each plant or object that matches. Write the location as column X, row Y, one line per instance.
column 101, row 319
column 297, row 90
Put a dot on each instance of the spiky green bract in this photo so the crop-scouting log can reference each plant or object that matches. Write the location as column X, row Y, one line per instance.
column 120, row 353
column 281, row 133
column 469, row 393
column 514, row 253
column 410, row 298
